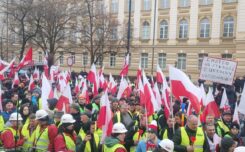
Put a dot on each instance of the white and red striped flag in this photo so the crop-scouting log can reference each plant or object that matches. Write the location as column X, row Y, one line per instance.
column 211, row 106
column 26, row 60
column 124, row 71
column 77, row 87
column 123, row 87
column 236, row 116
column 93, row 78
column 31, row 84
column 6, row 69
column 36, row 74
column 224, row 100
column 105, row 117
column 16, row 80
column 65, row 99
column 204, row 96
column 3, row 64
column 46, row 92
column 159, row 75
column 150, row 100
column 139, row 75
column 112, row 86
column 181, row 85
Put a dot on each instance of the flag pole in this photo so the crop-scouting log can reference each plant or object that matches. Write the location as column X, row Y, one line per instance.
column 171, row 103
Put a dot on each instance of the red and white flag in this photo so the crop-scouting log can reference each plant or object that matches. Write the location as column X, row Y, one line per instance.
column 236, row 116
column 157, row 95
column 211, row 106
column 77, row 87
column 112, row 86
column 105, row 117
column 45, row 64
column 16, row 80
column 65, row 99
column 141, row 92
column 203, row 93
column 181, row 85
column 93, row 78
column 241, row 105
column 26, row 60
column 36, row 74
column 102, row 81
column 46, row 92
column 139, row 75
column 123, row 87
column 27, row 77
column 1, row 101
column 224, row 100
column 10, row 66
column 3, row 64
column 159, row 75
column 150, row 100
column 85, row 92
column 124, row 71
column 31, row 84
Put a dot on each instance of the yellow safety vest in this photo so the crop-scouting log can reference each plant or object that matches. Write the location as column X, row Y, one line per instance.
column 1, row 123
column 87, row 146
column 198, row 144
column 165, row 134
column 136, row 137
column 70, row 144
column 30, row 138
column 223, row 127
column 113, row 148
column 41, row 139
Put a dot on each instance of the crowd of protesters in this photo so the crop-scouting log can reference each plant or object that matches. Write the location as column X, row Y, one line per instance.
column 25, row 126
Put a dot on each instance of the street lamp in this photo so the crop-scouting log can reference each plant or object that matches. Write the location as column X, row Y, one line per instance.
column 153, row 39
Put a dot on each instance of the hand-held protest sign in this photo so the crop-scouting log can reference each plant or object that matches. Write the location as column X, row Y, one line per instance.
column 218, row 70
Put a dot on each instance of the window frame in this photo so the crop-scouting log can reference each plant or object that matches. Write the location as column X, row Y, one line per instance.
column 184, row 3
column 163, row 32
column 165, row 4
column 204, row 33
column 114, row 6
column 61, row 54
column 85, row 58
column 112, row 59
column 181, row 64
column 163, row 63
column 200, row 59
column 230, row 27
column 144, row 60
column 183, row 27
column 145, row 30
column 146, row 5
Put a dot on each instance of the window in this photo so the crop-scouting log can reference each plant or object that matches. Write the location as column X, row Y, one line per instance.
column 85, row 58
column 61, row 58
column 228, row 26
column 204, row 28
column 73, row 36
column 144, row 60
column 99, row 58
column 146, row 30
column 73, row 56
column 112, row 60
column 230, row 1
column 114, row 33
column 184, row 3
column 114, row 6
column 147, row 4
column 181, row 64
column 164, row 4
column 40, row 56
column 164, row 30
column 200, row 59
column 127, row 6
column 162, row 60
column 226, row 56
column 206, row 2
column 183, row 29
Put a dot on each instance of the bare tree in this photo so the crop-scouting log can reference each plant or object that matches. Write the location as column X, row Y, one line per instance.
column 21, row 21
column 56, row 18
column 99, row 34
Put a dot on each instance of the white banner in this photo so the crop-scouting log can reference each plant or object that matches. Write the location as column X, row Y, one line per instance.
column 218, row 70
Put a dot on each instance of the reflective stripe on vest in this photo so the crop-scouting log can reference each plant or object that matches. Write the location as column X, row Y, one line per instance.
column 113, row 148
column 165, row 134
column 87, row 146
column 70, row 144
column 137, row 137
column 118, row 114
column 30, row 139
column 223, row 127
column 41, row 139
column 198, row 144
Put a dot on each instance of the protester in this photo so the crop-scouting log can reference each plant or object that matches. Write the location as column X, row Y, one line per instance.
column 114, row 143
column 213, row 139
column 11, row 138
column 65, row 141
column 165, row 145
column 227, row 145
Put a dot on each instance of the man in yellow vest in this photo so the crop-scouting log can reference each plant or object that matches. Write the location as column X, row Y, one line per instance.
column 88, row 140
column 190, row 138
column 223, row 125
column 66, row 139
column 115, row 142
column 28, row 131
column 45, row 133
column 170, row 128
column 11, row 137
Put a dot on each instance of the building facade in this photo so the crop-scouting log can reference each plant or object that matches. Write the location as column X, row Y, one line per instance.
column 175, row 32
